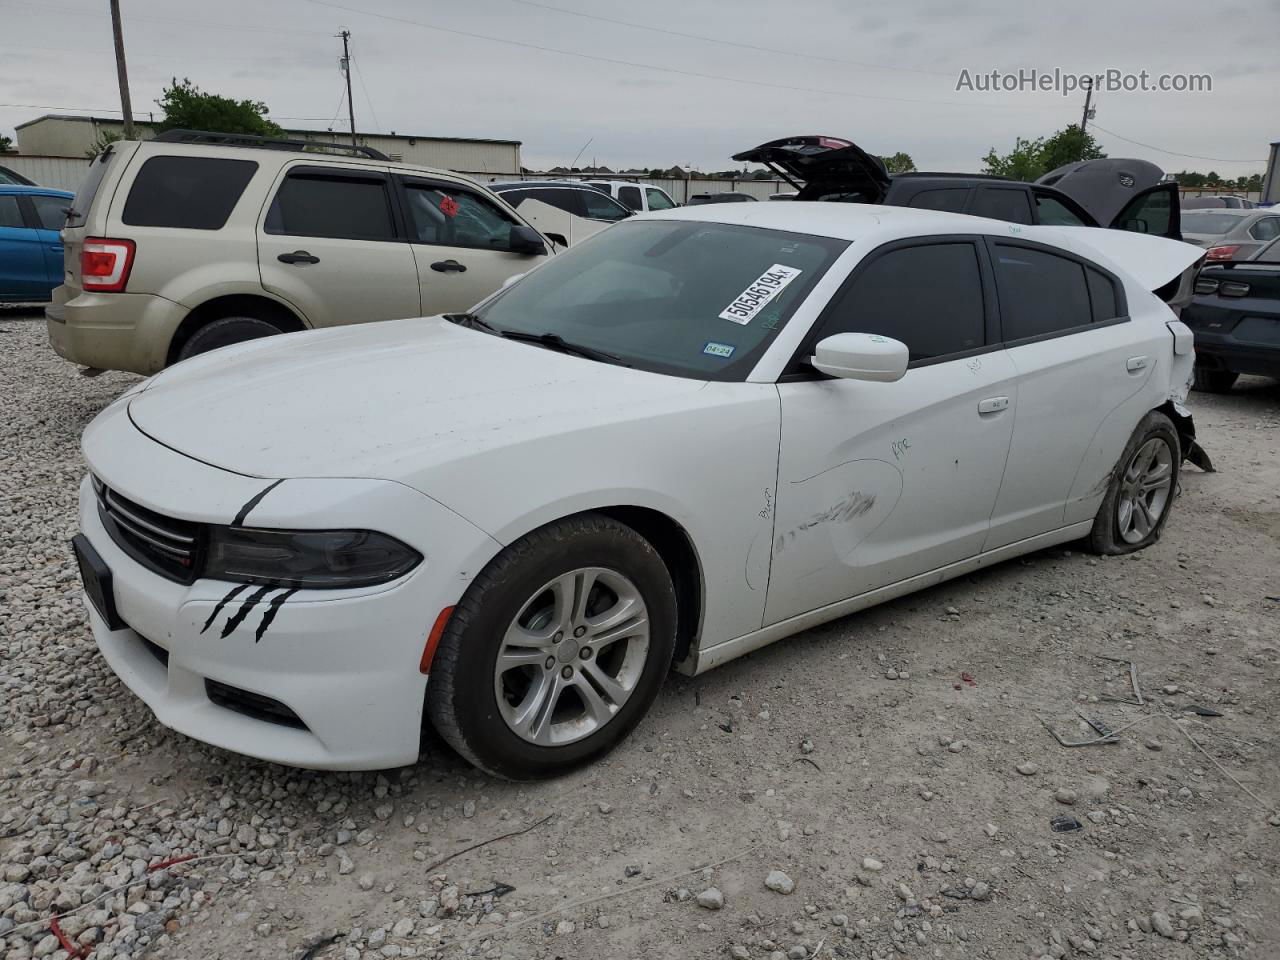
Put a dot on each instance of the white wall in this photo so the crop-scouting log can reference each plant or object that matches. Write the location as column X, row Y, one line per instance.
column 61, row 173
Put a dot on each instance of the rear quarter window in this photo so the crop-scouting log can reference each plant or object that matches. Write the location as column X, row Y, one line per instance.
column 1041, row 293
column 195, row 193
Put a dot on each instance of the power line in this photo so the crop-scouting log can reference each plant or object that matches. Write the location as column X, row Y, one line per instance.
column 1172, row 153
column 649, row 66
column 377, row 125
column 85, row 12
column 728, row 43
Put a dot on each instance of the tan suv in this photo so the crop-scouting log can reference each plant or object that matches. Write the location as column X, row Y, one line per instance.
column 193, row 241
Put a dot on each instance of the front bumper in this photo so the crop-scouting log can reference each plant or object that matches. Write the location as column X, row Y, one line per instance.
column 345, row 663
column 113, row 331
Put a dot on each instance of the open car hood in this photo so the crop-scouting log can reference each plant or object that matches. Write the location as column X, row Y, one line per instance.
column 818, row 166
column 1106, row 187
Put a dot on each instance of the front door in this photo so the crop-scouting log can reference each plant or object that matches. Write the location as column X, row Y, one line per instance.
column 331, row 243
column 879, row 482
column 461, row 243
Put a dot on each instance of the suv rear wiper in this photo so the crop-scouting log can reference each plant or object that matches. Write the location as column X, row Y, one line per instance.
column 557, row 342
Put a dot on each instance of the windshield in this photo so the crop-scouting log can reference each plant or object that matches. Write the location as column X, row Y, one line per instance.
column 1209, row 222
column 700, row 300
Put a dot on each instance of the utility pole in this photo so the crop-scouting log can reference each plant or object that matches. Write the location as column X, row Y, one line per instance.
column 121, row 73
column 1088, row 96
column 346, row 69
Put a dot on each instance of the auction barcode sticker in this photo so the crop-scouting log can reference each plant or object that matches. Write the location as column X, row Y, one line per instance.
column 751, row 300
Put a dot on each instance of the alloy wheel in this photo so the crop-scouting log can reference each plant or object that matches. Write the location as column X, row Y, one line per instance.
column 572, row 656
column 1145, row 490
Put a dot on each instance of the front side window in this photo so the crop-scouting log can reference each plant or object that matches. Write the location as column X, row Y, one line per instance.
column 1149, row 212
column 1055, row 213
column 194, row 193
column 630, row 197
column 927, row 296
column 325, row 205
column 455, row 218
column 11, row 213
column 51, row 212
column 601, row 206
column 699, row 300
column 1002, row 203
column 658, row 199
column 1040, row 293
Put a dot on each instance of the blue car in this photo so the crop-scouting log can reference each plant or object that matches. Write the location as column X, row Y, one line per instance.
column 30, row 244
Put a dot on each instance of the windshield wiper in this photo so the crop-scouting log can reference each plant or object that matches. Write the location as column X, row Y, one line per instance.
column 472, row 322
column 557, row 342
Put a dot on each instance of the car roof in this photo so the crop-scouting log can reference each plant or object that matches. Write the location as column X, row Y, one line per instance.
column 513, row 184
column 12, row 188
column 259, row 154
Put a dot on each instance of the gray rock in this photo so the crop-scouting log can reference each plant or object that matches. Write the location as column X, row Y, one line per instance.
column 1028, row 769
column 1162, row 925
column 779, row 882
column 711, row 898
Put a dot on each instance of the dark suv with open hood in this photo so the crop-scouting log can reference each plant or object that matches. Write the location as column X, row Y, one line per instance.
column 1121, row 194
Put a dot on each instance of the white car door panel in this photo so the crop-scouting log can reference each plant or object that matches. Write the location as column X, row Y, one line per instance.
column 1080, row 388
column 883, row 481
column 329, row 245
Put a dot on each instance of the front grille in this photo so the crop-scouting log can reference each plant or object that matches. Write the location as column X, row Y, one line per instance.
column 167, row 546
column 253, row 705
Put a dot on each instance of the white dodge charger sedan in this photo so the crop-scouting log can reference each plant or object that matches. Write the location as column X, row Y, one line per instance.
column 697, row 433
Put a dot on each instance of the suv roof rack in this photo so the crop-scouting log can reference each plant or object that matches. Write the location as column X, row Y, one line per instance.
column 265, row 143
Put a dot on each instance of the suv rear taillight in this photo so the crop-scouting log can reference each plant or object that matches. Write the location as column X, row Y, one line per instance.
column 105, row 264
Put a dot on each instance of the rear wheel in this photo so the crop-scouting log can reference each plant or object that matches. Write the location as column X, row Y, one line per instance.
column 1213, row 381
column 556, row 651
column 225, row 331
column 1142, row 490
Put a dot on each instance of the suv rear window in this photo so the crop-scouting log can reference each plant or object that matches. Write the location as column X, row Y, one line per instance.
column 196, row 193
column 88, row 190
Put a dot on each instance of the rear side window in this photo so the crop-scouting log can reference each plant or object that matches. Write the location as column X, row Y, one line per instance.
column 1040, row 293
column 1000, row 203
column 89, row 189
column 51, row 212
column 630, row 197
column 601, row 206
column 1268, row 228
column 950, row 199
column 324, row 205
column 929, row 297
column 195, row 193
column 561, row 199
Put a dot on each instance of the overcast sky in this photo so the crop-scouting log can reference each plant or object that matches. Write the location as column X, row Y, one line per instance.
column 881, row 74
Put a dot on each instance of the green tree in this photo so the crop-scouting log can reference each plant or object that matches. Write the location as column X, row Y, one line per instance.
column 6, row 144
column 1031, row 159
column 105, row 139
column 899, row 163
column 187, row 107
column 1189, row 178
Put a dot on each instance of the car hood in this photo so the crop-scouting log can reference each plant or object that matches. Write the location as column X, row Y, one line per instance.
column 385, row 400
column 823, row 164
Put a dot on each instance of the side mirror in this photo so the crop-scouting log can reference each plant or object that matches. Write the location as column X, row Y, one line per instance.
column 862, row 356
column 1135, row 226
column 558, row 239
column 526, row 240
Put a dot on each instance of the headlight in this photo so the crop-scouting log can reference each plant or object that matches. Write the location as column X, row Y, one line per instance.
column 311, row 559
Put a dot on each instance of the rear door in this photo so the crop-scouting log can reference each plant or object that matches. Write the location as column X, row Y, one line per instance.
column 461, row 243
column 331, row 241
column 1081, row 367
column 22, row 269
column 879, row 482
column 50, row 212
column 1009, row 203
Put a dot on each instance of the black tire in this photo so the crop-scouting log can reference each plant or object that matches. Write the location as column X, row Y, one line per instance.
column 1212, row 381
column 461, row 701
column 1106, row 537
column 225, row 331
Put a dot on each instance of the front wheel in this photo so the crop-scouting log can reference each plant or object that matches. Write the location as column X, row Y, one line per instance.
column 1142, row 490
column 556, row 650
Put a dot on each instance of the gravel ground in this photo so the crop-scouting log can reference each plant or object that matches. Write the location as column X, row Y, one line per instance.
column 881, row 786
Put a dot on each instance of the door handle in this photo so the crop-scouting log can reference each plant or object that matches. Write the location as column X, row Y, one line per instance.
column 1133, row 364
column 298, row 256
column 448, row 266
column 993, row 405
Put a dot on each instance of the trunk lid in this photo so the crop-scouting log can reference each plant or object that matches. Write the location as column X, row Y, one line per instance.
column 819, row 166
column 1122, row 194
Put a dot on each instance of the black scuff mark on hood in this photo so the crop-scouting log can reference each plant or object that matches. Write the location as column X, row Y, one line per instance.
column 253, row 502
column 273, row 607
column 231, row 595
column 253, row 600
